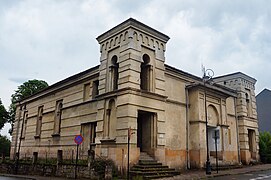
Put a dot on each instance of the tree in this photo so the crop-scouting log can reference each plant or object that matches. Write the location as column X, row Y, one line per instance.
column 25, row 90
column 3, row 115
column 265, row 147
column 4, row 145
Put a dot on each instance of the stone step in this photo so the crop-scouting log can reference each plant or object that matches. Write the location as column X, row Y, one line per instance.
column 158, row 176
column 148, row 168
column 155, row 173
column 153, row 169
column 146, row 162
column 145, row 156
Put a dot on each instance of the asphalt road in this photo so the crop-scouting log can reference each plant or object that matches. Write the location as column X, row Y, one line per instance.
column 266, row 175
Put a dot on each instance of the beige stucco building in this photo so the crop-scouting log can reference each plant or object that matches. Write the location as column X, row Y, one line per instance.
column 132, row 87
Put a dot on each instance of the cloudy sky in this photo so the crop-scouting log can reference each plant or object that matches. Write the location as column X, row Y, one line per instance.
column 53, row 39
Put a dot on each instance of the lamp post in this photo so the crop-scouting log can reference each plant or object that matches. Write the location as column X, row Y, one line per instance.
column 207, row 77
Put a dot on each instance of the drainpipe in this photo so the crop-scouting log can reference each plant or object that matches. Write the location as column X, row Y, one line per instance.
column 237, row 131
column 187, row 129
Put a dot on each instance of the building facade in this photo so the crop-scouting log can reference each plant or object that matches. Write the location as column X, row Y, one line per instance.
column 264, row 110
column 132, row 88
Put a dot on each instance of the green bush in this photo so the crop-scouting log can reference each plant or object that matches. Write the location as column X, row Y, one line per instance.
column 265, row 147
column 4, row 146
column 99, row 166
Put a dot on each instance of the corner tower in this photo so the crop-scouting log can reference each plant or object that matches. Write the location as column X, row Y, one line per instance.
column 131, row 91
column 246, row 113
column 132, row 56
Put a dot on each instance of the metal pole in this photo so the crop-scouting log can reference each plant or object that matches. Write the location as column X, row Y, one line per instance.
column 208, row 165
column 76, row 161
column 216, row 150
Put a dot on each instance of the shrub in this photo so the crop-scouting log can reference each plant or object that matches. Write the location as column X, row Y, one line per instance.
column 99, row 165
column 4, row 146
column 265, row 147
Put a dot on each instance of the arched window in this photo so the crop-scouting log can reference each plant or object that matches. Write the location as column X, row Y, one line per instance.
column 25, row 124
column 39, row 121
column 58, row 113
column 145, row 75
column 111, row 119
column 248, row 105
column 114, row 68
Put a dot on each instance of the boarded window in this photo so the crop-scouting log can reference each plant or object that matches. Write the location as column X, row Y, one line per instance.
column 86, row 91
column 89, row 135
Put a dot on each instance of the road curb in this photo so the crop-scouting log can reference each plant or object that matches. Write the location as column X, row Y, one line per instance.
column 17, row 176
column 235, row 173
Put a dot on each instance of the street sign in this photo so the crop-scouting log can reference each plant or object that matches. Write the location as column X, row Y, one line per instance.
column 78, row 139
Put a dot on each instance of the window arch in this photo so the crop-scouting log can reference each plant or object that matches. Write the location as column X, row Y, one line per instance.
column 145, row 75
column 114, row 68
column 213, row 115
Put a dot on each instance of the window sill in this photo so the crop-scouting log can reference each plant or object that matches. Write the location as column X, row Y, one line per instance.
column 55, row 135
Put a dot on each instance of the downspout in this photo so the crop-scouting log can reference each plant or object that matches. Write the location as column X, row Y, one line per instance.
column 187, row 129
column 237, row 132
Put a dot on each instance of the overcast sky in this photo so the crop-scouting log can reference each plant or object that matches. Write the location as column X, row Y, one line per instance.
column 53, row 39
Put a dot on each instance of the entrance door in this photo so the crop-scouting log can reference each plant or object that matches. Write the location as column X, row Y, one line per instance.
column 252, row 143
column 146, row 131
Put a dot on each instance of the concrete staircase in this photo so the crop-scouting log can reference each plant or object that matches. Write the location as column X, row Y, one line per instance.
column 148, row 168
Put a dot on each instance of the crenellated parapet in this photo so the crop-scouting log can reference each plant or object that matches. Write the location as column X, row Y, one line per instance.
column 132, row 31
column 245, row 87
column 123, row 38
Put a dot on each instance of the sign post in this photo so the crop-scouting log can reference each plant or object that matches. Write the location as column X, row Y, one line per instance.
column 78, row 140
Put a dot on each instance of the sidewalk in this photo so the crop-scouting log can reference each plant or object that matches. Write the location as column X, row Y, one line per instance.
column 192, row 174
column 200, row 174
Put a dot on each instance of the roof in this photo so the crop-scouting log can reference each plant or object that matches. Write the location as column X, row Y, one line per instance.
column 60, row 84
column 199, row 82
column 237, row 75
column 131, row 23
column 181, row 72
column 264, row 92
